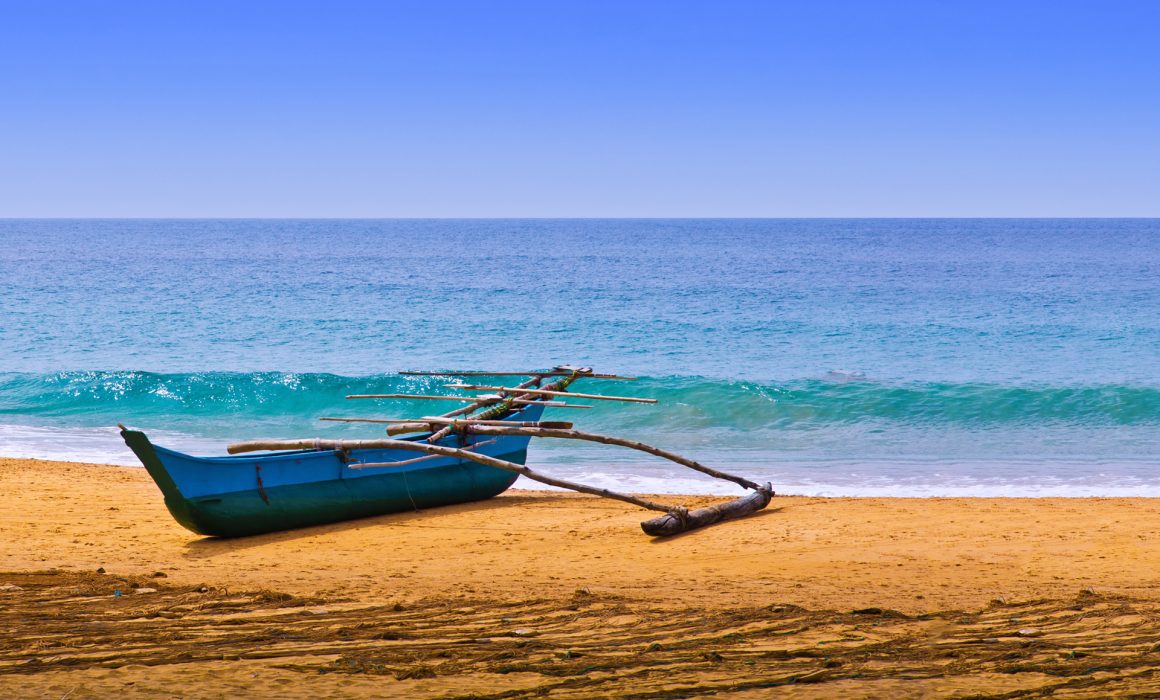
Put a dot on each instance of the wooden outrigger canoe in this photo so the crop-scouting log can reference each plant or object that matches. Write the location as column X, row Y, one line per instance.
column 469, row 454
column 246, row 494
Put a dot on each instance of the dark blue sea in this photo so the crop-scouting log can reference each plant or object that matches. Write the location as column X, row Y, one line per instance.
column 833, row 357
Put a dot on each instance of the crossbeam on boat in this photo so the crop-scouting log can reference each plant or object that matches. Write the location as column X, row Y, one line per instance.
column 471, row 399
column 426, row 397
column 548, row 392
column 549, row 373
column 439, row 420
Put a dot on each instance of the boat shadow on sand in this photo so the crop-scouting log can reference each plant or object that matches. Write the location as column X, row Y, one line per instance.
column 209, row 547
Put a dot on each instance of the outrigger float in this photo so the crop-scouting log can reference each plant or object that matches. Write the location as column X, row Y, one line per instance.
column 469, row 454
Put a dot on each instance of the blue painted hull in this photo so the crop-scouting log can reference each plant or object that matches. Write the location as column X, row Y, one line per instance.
column 246, row 495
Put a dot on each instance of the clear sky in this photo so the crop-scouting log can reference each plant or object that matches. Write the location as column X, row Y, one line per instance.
column 579, row 108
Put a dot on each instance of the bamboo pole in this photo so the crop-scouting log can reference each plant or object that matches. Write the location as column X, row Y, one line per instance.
column 499, row 409
column 405, row 462
column 548, row 392
column 468, row 399
column 427, row 397
column 560, row 425
column 479, row 404
column 552, row 424
column 480, row 421
column 347, row 445
column 553, row 373
column 405, row 428
column 424, row 426
column 610, row 440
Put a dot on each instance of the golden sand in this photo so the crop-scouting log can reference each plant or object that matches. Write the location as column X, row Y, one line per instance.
column 537, row 594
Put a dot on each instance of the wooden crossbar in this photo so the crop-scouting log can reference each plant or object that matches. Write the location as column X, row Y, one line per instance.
column 547, row 392
column 550, row 373
column 439, row 420
column 427, row 397
column 468, row 399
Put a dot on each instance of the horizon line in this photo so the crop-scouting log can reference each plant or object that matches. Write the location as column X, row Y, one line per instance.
column 569, row 218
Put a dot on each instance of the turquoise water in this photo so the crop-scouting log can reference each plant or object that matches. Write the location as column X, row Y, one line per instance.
column 912, row 357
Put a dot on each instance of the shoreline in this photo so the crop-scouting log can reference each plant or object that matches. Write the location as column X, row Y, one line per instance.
column 916, row 559
column 948, row 482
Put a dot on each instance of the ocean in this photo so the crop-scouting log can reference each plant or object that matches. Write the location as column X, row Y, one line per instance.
column 909, row 357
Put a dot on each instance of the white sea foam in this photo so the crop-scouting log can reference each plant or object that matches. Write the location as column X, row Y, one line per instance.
column 902, row 478
column 92, row 445
column 820, row 478
column 635, row 484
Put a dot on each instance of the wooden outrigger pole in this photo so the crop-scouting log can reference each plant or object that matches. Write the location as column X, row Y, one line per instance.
column 548, row 392
column 499, row 405
column 548, row 431
column 552, row 373
column 516, row 393
column 492, row 406
column 677, row 519
column 440, row 420
column 467, row 399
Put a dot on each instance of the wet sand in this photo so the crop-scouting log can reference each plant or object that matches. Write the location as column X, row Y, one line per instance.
column 536, row 593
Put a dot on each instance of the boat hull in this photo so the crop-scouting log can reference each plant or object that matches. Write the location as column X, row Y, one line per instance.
column 238, row 496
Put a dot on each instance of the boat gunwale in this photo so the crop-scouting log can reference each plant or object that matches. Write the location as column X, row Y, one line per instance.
column 278, row 454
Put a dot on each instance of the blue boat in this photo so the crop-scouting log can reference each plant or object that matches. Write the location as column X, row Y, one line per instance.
column 241, row 495
column 469, row 454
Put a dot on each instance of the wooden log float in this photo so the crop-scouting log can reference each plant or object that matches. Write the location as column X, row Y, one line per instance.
column 676, row 522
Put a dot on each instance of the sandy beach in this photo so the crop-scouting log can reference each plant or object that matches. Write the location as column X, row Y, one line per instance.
column 549, row 594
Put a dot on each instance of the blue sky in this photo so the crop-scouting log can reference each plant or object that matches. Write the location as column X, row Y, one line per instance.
column 553, row 108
